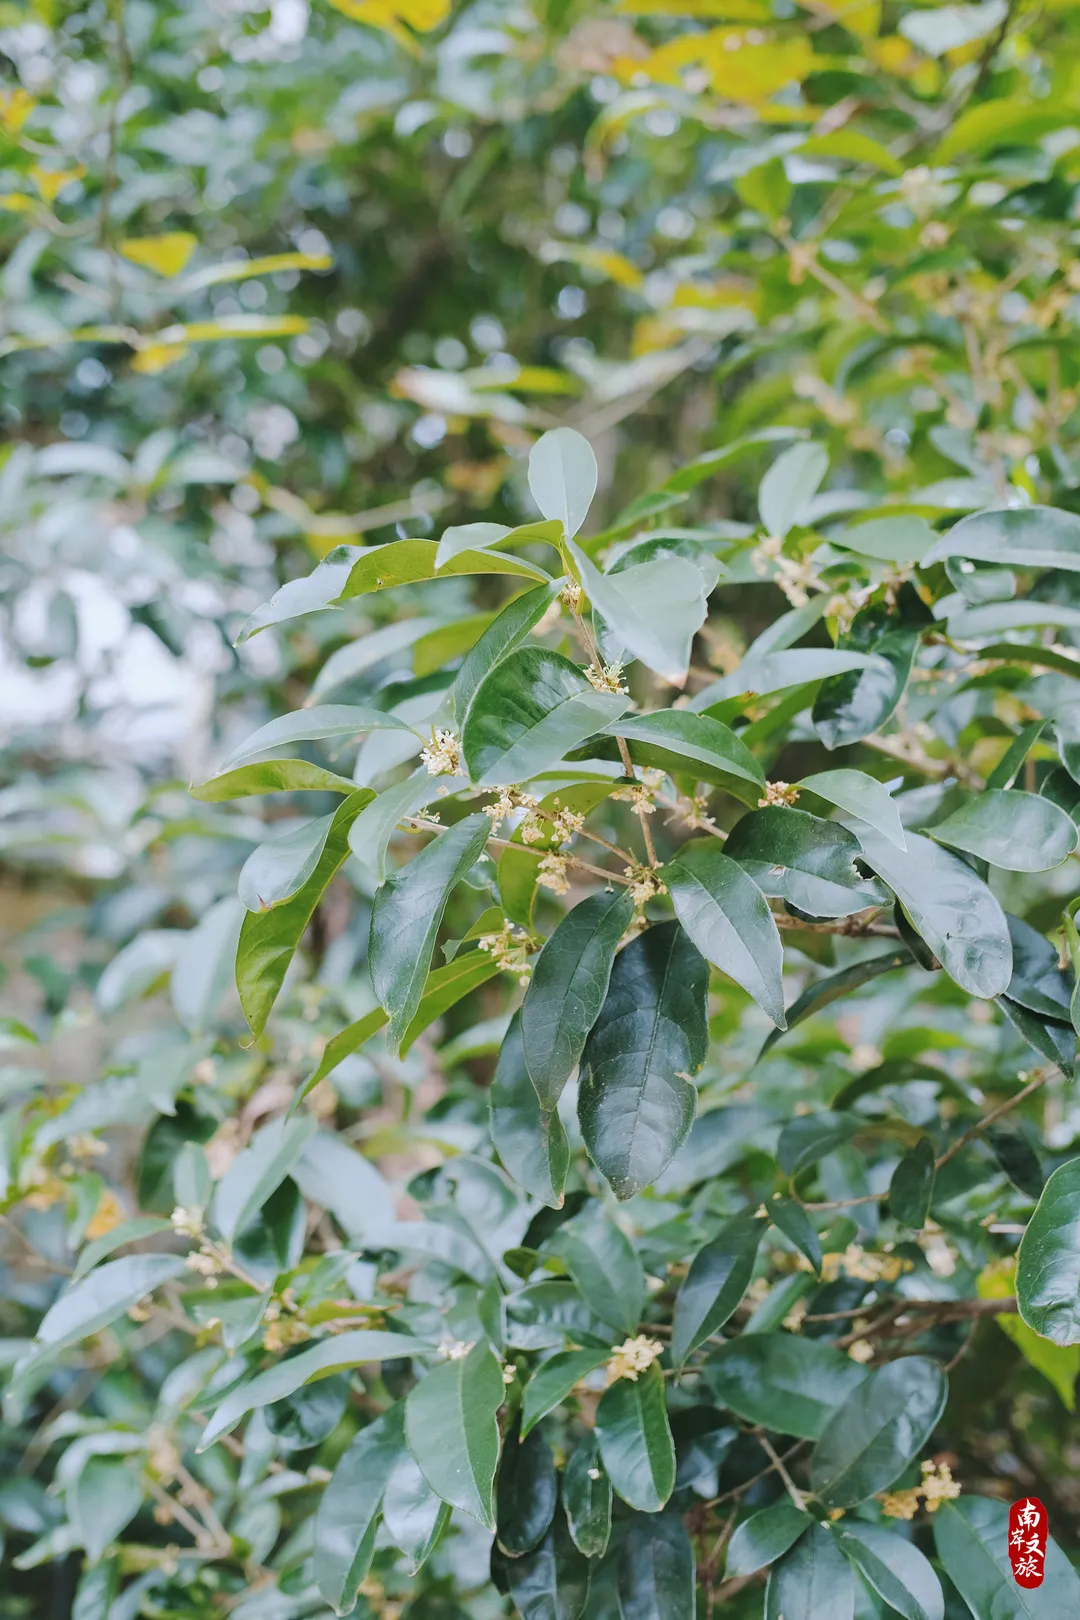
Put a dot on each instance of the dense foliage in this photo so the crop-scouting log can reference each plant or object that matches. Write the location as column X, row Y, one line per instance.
column 541, row 620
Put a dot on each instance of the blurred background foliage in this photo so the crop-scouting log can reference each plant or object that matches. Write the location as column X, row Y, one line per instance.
column 275, row 277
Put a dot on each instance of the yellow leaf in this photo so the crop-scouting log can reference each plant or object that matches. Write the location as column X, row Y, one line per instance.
column 50, row 182
column 108, row 1215
column 742, row 64
column 167, row 254
column 157, row 357
column 15, row 108
column 608, row 263
column 16, row 203
column 860, row 17
column 237, row 326
column 244, row 269
column 719, row 10
column 1059, row 1364
column 422, row 15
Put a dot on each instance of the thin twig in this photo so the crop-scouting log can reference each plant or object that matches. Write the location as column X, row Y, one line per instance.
column 778, row 1463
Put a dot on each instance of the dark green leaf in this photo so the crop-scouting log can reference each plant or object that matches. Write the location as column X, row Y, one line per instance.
column 406, row 916
column 850, row 707
column 1037, row 981
column 551, row 1583
column 884, row 1424
column 715, row 1284
column 814, row 1581
column 586, row 1492
column 912, row 1186
column 525, row 1493
column 675, row 740
column 796, row 1224
column 307, row 1417
column 503, row 635
column 861, row 796
column 1005, row 771
column 1018, row 831
column 604, row 1266
column 786, row 1382
column 635, row 1100
column 656, row 1570
column 567, row 989
column 413, row 1516
column 727, row 917
column 896, row 1570
column 762, row 673
column 800, row 858
column 951, row 908
column 530, row 1140
column 274, row 871
column 1053, row 1040
column 257, row 1172
column 765, row 1536
column 452, row 1430
column 1026, row 536
column 635, row 1440
column 553, row 1381
column 1019, row 1160
column 1048, row 1264
column 809, row 1137
column 972, row 1540
column 268, row 939
column 347, row 1515
column 821, row 992
column 528, row 712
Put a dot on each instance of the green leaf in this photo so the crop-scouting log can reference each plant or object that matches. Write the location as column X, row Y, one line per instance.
column 529, row 1139
column 103, row 1501
column 586, row 1492
column 762, row 673
column 96, row 1591
column 972, row 1536
column 814, row 1581
column 1020, row 832
column 413, row 1516
column 885, row 1423
column 567, row 989
column 896, row 1570
column 764, row 1537
column 1007, row 768
column 406, row 562
column 355, row 658
column 951, row 908
column 528, row 712
column 766, row 188
column 1048, row 1263
column 1052, row 1040
column 862, row 798
column 715, row 1284
column 656, row 1570
column 796, row 1224
column 272, row 776
column 407, row 914
column 525, row 1493
column 603, row 1264
column 98, row 1299
column 635, row 1098
column 519, row 863
column 834, row 986
column 309, row 594
column 257, row 1172
column 887, row 539
column 356, row 1349
column 654, row 609
column 347, row 1514
column 274, row 871
column 800, row 858
column 728, row 918
column 551, row 1583
column 468, row 537
column 1037, row 980
column 324, row 721
column 704, row 466
column 1025, row 536
column 789, row 1383
column 503, row 636
column 562, row 477
column 635, row 1440
column 452, row 1430
column 553, row 1380
column 675, row 740
column 849, row 707
column 129, row 1231
column 809, row 1137
column 912, row 1186
column 268, row 939
column 789, row 486
column 371, row 832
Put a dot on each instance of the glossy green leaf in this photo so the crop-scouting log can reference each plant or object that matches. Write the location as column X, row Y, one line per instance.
column 507, row 631
column 972, row 1540
column 861, row 796
column 654, row 609
column 268, row 939
column 563, row 477
column 526, row 1492
column 676, row 740
column 765, row 1536
column 413, row 1516
column 1024, row 536
column 809, row 1137
column 274, row 871
column 406, row 916
column 99, row 1298
column 850, row 707
column 886, row 1421
column 529, row 1139
column 308, row 594
column 257, row 1172
column 1018, row 831
column 452, row 1431
column 887, row 539
column 635, row 1441
column 728, row 918
column 636, row 1101
column 324, row 722
column 347, row 1515
column 822, row 992
column 272, row 776
column 554, row 1380
column 406, row 562
column 814, row 1581
column 912, row 1186
column 103, row 1501
column 1048, row 1264
column 897, row 1571
column 761, row 674
column 1037, row 980
column 656, row 1570
column 129, row 1231
column 603, row 1264
column 519, row 863
column 551, row 1582
column 714, row 1286
column 374, row 827
column 796, row 1224
column 952, row 909
column 586, row 1493
column 789, row 1383
column 789, row 486
column 468, row 537
column 800, row 858
column 567, row 989
column 528, row 712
